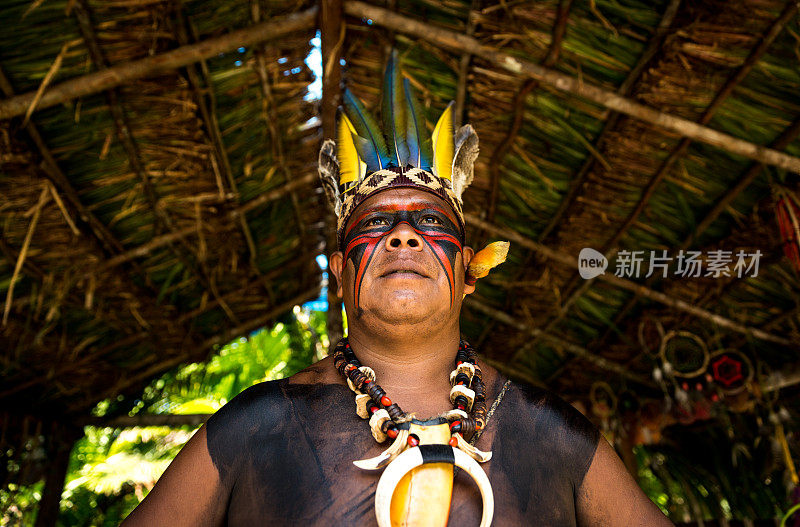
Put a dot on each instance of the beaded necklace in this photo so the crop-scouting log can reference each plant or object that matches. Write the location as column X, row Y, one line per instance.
column 468, row 394
column 387, row 420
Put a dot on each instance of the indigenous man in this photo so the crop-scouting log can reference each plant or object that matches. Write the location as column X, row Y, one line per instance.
column 283, row 452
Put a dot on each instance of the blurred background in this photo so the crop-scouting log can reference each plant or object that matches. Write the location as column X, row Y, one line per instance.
column 163, row 232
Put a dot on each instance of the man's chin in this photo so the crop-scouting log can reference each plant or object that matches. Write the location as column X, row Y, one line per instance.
column 400, row 307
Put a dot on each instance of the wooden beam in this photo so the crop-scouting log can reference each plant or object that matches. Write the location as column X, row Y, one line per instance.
column 782, row 379
column 558, row 342
column 783, row 141
column 232, row 216
column 463, row 66
column 126, row 421
column 124, row 73
column 101, row 239
column 272, row 120
column 500, row 152
column 734, row 80
column 576, row 182
column 86, row 221
column 574, row 86
column 737, row 77
column 200, row 82
column 332, row 33
column 126, row 138
column 629, row 285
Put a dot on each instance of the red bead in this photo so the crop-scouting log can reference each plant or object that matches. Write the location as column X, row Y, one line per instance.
column 685, row 386
column 714, row 397
column 350, row 367
column 699, row 387
column 373, row 409
column 413, row 440
column 453, row 441
column 461, row 407
column 392, row 433
column 454, row 423
column 459, row 363
column 367, row 381
column 385, row 401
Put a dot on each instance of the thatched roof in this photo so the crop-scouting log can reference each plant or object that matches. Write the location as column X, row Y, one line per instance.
column 154, row 209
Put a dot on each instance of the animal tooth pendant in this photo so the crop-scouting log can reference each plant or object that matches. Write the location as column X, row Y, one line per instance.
column 422, row 497
column 416, row 488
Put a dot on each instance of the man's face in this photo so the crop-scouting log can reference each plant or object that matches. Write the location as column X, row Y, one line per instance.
column 402, row 258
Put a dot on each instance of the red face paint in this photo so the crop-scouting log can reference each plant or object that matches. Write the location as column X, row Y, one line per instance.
column 434, row 224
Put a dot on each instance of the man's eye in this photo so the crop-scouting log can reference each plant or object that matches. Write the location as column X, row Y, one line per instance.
column 374, row 222
column 431, row 220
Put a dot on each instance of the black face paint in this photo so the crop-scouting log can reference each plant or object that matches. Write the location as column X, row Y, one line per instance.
column 284, row 452
column 370, row 228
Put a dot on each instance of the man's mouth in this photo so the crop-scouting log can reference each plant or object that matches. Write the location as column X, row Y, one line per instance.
column 406, row 269
column 403, row 272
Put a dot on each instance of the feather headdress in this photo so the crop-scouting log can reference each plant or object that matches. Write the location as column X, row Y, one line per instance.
column 367, row 158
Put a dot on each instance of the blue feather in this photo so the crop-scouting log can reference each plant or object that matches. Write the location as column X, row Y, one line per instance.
column 393, row 113
column 417, row 137
column 373, row 147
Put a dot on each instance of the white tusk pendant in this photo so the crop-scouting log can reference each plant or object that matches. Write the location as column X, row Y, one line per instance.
column 385, row 457
column 423, row 454
column 471, row 451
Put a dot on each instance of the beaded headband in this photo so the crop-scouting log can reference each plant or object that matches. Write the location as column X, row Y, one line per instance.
column 366, row 159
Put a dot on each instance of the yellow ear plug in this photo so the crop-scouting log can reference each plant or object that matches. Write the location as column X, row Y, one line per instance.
column 487, row 258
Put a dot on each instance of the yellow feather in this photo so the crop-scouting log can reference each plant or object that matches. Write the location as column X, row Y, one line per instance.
column 490, row 256
column 351, row 167
column 444, row 144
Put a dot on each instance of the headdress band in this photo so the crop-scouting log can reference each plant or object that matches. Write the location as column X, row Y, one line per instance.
column 366, row 159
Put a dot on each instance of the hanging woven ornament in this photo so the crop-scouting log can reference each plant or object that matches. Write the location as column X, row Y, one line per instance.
column 604, row 407
column 787, row 208
column 683, row 354
column 732, row 371
column 650, row 334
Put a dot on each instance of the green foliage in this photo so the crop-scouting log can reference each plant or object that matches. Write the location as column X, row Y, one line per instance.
column 112, row 470
column 18, row 504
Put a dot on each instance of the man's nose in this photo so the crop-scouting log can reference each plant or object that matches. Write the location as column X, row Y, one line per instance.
column 403, row 237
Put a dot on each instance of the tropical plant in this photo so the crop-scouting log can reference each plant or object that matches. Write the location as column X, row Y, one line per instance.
column 112, row 470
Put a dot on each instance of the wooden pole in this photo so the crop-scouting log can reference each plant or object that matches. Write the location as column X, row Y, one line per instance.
column 171, row 60
column 573, row 86
column 49, row 505
column 332, row 31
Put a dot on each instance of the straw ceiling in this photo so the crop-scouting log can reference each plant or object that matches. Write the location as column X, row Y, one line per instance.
column 159, row 196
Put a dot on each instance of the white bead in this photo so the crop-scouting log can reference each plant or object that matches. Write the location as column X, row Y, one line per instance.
column 464, row 367
column 466, row 392
column 362, row 400
column 375, row 423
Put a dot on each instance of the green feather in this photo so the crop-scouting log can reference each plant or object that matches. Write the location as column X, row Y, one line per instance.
column 420, row 154
column 373, row 149
column 393, row 113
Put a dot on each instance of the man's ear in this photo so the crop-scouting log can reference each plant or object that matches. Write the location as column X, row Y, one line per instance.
column 336, row 265
column 467, row 254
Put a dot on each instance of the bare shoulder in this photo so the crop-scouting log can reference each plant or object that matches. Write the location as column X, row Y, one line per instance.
column 188, row 493
column 610, row 496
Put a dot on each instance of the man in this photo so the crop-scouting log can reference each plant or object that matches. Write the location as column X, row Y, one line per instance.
column 282, row 452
